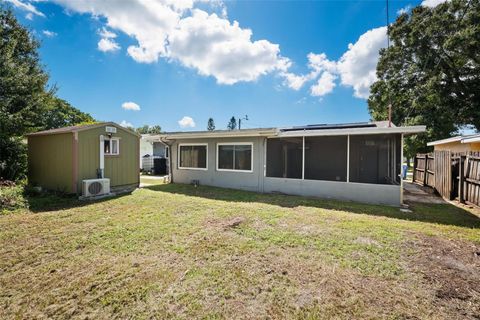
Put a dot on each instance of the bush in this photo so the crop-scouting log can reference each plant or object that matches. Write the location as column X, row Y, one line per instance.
column 13, row 158
column 12, row 196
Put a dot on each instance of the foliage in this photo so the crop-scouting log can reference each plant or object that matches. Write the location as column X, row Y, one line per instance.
column 26, row 103
column 13, row 158
column 59, row 113
column 11, row 196
column 431, row 72
column 146, row 129
column 232, row 124
column 211, row 124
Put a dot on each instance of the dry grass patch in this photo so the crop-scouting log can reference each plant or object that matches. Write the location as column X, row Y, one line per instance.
column 175, row 251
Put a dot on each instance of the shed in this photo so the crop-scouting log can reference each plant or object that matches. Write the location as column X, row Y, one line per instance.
column 463, row 143
column 60, row 159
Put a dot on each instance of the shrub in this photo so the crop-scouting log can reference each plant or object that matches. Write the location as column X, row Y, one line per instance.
column 11, row 196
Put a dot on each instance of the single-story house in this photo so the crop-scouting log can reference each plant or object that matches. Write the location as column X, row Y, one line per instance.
column 463, row 143
column 60, row 159
column 356, row 161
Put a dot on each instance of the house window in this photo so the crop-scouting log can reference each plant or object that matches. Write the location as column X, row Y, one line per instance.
column 112, row 146
column 234, row 157
column 284, row 157
column 192, row 156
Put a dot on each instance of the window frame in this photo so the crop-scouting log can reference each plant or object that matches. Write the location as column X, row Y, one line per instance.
column 118, row 147
column 180, row 145
column 234, row 144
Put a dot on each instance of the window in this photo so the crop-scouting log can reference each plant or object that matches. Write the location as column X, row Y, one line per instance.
column 111, row 146
column 192, row 156
column 284, row 157
column 234, row 156
column 326, row 158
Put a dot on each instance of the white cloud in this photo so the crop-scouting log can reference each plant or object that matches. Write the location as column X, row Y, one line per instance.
column 130, row 106
column 317, row 63
column 126, row 124
column 26, row 7
column 405, row 9
column 432, row 3
column 186, row 122
column 106, row 45
column 107, row 34
column 49, row 34
column 177, row 31
column 29, row 16
column 324, row 85
column 357, row 66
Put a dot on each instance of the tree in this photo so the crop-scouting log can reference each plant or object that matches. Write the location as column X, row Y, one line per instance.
column 232, row 124
column 59, row 113
column 26, row 103
column 431, row 72
column 211, row 124
column 146, row 129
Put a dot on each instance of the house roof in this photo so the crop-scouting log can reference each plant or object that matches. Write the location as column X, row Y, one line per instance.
column 79, row 128
column 380, row 127
column 462, row 139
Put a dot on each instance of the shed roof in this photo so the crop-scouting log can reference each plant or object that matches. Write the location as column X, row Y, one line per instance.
column 80, row 128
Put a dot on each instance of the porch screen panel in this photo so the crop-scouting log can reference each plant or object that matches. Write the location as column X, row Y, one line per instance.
column 193, row 156
column 326, row 158
column 284, row 157
column 375, row 159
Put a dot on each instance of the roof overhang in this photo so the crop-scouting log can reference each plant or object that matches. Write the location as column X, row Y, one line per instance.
column 471, row 139
column 213, row 134
column 355, row 131
column 273, row 132
column 461, row 139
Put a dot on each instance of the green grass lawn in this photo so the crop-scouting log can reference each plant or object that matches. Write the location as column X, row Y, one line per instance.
column 176, row 251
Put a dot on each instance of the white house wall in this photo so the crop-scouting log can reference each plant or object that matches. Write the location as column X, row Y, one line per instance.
column 256, row 180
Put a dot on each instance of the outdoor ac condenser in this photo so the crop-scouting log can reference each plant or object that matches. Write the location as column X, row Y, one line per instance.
column 95, row 187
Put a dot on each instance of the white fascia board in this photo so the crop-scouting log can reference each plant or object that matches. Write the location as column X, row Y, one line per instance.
column 475, row 138
column 213, row 134
column 354, row 131
column 443, row 141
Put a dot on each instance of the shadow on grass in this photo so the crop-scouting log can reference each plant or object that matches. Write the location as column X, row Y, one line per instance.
column 53, row 202
column 446, row 214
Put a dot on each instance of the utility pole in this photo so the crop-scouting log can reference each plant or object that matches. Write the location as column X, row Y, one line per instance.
column 240, row 121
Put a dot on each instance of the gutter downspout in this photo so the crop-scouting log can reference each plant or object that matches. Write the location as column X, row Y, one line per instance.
column 102, row 155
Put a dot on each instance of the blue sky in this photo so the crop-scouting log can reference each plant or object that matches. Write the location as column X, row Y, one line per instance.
column 191, row 61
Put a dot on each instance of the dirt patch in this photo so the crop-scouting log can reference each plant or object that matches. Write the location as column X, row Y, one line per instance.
column 226, row 223
column 452, row 270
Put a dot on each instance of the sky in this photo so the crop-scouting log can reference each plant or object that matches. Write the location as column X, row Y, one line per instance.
column 176, row 63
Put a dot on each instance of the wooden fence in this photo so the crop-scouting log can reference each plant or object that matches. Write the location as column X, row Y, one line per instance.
column 452, row 175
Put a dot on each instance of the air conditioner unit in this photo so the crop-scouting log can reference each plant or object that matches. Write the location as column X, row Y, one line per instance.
column 95, row 187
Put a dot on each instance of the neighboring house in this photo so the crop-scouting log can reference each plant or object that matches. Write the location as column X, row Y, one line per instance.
column 60, row 159
column 359, row 161
column 150, row 150
column 457, row 144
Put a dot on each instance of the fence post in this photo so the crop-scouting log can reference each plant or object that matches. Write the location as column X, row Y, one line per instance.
column 414, row 168
column 425, row 172
column 461, row 170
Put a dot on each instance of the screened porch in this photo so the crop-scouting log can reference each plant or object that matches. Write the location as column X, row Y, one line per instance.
column 371, row 159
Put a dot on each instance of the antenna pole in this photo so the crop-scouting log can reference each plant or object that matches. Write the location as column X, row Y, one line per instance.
column 388, row 85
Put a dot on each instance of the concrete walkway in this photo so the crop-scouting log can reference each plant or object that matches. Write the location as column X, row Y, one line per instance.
column 413, row 192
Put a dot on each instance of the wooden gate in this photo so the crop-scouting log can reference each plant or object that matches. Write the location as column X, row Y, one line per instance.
column 443, row 173
column 424, row 169
column 469, row 186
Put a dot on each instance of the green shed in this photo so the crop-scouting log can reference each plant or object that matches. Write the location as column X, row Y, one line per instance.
column 61, row 159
